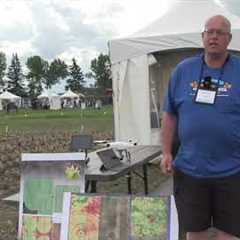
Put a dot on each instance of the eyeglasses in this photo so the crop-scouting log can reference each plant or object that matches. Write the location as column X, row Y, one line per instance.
column 219, row 32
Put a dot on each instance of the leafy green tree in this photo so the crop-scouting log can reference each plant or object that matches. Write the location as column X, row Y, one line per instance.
column 3, row 66
column 37, row 72
column 57, row 70
column 101, row 72
column 76, row 79
column 16, row 77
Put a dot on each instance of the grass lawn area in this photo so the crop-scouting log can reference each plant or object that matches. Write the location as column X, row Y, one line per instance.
column 27, row 120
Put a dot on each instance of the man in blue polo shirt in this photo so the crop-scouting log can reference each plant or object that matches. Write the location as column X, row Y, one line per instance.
column 202, row 107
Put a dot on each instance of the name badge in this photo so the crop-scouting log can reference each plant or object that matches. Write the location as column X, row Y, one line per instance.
column 206, row 92
column 205, row 96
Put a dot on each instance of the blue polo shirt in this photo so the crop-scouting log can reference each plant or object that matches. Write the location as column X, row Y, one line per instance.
column 209, row 134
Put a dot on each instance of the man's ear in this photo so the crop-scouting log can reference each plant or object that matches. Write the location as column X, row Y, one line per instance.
column 202, row 34
column 230, row 37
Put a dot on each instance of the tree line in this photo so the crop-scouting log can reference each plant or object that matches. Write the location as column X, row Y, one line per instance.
column 42, row 74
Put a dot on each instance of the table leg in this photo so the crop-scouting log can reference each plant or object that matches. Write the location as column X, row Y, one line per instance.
column 145, row 178
column 93, row 186
column 87, row 186
column 129, row 182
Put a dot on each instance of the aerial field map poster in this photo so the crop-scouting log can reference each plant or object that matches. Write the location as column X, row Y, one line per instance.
column 93, row 217
column 149, row 218
column 44, row 180
column 99, row 217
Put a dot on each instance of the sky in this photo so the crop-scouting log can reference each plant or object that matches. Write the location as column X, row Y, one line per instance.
column 72, row 28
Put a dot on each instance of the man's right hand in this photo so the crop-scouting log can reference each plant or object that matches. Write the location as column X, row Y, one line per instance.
column 167, row 164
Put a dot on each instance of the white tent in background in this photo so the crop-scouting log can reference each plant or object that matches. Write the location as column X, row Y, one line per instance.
column 52, row 99
column 81, row 95
column 70, row 99
column 69, row 94
column 9, row 97
column 43, row 95
column 55, row 102
column 142, row 63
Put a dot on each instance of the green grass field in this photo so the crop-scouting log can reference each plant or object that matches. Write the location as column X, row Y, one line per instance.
column 27, row 120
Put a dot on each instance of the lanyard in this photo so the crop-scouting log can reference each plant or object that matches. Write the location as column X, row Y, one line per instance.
column 205, row 94
column 221, row 71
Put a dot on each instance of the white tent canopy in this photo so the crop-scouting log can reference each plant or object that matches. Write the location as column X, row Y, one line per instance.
column 9, row 96
column 47, row 94
column 50, row 98
column 180, row 27
column 44, row 95
column 71, row 100
column 139, row 64
column 69, row 94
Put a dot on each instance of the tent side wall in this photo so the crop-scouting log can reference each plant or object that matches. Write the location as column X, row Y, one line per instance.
column 131, row 100
column 55, row 103
column 167, row 61
column 159, row 75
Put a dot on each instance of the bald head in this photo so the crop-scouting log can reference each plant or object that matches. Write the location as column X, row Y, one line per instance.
column 220, row 18
column 216, row 38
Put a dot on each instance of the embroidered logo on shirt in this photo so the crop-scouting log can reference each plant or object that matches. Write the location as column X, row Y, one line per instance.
column 223, row 87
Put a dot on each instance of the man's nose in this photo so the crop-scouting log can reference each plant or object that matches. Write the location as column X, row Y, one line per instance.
column 215, row 34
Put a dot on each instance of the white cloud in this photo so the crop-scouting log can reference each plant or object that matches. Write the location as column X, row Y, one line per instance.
column 83, row 57
column 71, row 28
column 52, row 28
column 15, row 21
column 22, row 48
